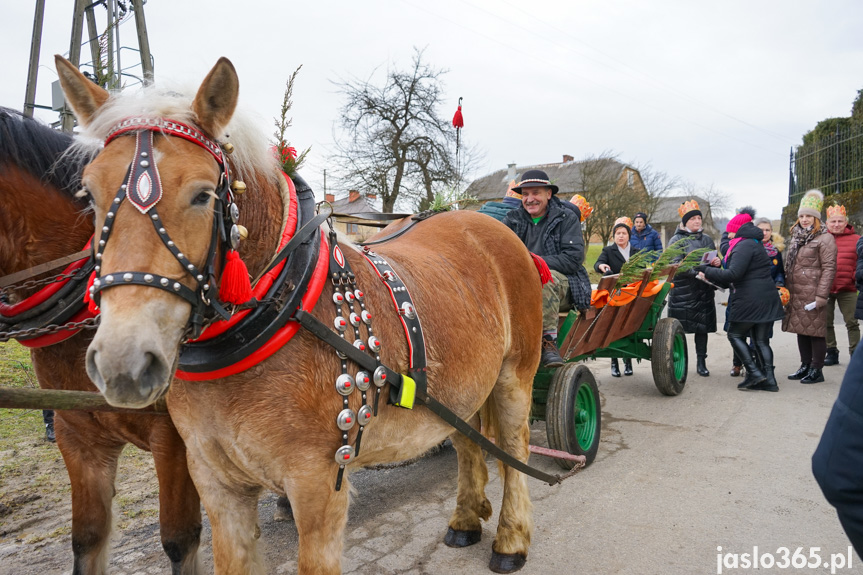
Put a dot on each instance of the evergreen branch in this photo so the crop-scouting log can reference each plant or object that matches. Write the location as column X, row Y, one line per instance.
column 633, row 270
column 673, row 253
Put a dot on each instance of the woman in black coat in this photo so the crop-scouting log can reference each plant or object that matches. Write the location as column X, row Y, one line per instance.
column 609, row 262
column 755, row 304
column 691, row 301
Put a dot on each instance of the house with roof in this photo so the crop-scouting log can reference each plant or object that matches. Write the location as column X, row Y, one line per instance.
column 665, row 219
column 356, row 229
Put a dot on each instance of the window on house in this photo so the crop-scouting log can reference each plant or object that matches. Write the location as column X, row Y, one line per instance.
column 353, row 229
column 630, row 178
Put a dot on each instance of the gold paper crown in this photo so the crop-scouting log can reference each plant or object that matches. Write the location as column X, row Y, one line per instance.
column 623, row 220
column 686, row 207
column 510, row 193
column 582, row 205
column 836, row 212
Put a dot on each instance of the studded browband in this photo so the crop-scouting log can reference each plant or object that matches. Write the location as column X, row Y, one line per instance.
column 143, row 189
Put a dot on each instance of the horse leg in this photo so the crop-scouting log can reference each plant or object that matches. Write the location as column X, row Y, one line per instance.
column 471, row 503
column 233, row 514
column 320, row 514
column 179, row 504
column 92, row 468
column 509, row 406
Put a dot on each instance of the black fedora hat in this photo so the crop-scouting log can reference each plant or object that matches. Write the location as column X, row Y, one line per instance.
column 535, row 179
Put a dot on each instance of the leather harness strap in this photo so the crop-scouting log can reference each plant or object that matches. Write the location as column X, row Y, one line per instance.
column 42, row 268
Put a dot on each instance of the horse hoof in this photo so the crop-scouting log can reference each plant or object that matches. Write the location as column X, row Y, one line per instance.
column 506, row 562
column 283, row 510
column 462, row 538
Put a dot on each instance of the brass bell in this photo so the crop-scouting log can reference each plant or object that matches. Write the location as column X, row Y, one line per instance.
column 229, row 148
column 238, row 187
column 244, row 232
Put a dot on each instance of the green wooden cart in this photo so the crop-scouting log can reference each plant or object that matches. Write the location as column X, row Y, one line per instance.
column 567, row 398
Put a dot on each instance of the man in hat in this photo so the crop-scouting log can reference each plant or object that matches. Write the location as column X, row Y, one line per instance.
column 552, row 231
column 644, row 237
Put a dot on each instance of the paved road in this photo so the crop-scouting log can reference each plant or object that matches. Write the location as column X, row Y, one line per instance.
column 675, row 478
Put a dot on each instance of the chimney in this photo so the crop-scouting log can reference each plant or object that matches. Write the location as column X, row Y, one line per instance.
column 353, row 196
column 510, row 172
column 372, row 197
column 567, row 158
column 329, row 198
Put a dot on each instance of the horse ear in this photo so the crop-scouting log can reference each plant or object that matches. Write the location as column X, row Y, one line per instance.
column 84, row 96
column 217, row 98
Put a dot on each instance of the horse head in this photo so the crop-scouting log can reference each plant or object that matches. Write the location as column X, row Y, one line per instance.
column 156, row 200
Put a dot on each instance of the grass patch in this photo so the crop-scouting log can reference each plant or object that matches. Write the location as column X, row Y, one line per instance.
column 17, row 371
column 590, row 257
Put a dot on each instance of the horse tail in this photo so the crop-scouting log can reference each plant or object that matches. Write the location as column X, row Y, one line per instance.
column 490, row 425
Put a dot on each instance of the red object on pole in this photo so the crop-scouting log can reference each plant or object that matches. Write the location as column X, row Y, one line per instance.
column 458, row 120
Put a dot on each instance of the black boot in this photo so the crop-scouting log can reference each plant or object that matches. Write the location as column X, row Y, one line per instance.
column 801, row 372
column 701, row 366
column 754, row 376
column 615, row 368
column 550, row 354
column 832, row 357
column 814, row 376
column 49, row 432
column 769, row 384
column 627, row 366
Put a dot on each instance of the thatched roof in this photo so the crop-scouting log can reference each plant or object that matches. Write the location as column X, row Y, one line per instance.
column 566, row 175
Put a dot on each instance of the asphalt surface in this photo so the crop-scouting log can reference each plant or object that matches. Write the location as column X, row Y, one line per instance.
column 675, row 479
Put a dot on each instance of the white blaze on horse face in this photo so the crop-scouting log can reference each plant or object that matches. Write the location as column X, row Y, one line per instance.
column 132, row 358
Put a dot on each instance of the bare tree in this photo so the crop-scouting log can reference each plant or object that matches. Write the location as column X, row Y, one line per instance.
column 609, row 192
column 393, row 141
column 658, row 184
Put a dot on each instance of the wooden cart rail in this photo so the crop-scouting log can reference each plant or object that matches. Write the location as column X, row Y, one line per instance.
column 58, row 399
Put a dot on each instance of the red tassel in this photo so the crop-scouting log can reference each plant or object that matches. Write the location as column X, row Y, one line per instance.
column 542, row 268
column 235, row 287
column 91, row 305
column 458, row 120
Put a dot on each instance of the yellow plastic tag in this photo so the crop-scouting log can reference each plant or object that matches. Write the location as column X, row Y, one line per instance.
column 407, row 393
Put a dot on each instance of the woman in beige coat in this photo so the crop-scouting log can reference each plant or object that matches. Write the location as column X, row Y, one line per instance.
column 810, row 267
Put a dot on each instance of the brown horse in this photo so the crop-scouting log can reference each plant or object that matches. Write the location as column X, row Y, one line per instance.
column 40, row 221
column 274, row 426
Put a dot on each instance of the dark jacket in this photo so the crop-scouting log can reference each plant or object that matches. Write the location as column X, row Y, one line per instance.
column 611, row 255
column 646, row 239
column 754, row 297
column 561, row 246
column 691, row 300
column 838, row 459
column 777, row 271
column 846, row 260
column 858, row 279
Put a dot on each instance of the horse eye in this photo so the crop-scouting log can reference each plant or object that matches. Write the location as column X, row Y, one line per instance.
column 202, row 198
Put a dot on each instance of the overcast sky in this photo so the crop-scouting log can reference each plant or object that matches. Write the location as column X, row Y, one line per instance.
column 714, row 92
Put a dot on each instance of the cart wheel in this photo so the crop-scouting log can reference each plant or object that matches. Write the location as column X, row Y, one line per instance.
column 572, row 416
column 669, row 357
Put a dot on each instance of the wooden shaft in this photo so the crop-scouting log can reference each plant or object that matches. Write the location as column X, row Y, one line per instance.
column 58, row 399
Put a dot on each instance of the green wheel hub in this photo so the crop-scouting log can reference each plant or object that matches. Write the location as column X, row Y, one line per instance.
column 679, row 356
column 585, row 416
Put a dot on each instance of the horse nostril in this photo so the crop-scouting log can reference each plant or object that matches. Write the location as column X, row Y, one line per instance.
column 154, row 374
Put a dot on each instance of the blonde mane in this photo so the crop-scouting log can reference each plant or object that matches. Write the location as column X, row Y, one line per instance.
column 251, row 157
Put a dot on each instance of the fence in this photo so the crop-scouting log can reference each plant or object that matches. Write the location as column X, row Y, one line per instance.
column 833, row 164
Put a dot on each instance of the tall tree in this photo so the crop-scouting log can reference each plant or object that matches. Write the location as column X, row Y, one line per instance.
column 393, row 142
column 610, row 193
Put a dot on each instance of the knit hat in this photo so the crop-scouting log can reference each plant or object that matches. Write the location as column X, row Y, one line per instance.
column 737, row 221
column 582, row 205
column 836, row 212
column 535, row 179
column 622, row 222
column 811, row 204
column 687, row 210
column 641, row 215
column 512, row 198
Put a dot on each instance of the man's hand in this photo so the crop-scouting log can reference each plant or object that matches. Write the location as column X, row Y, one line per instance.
column 604, row 268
